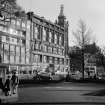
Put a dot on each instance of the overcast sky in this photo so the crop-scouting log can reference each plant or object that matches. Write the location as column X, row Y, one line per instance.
column 91, row 11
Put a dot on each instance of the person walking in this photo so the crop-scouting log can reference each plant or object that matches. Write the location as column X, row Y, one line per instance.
column 7, row 86
column 14, row 82
column 1, row 85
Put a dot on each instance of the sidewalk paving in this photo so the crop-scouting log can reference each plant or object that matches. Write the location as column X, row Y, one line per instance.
column 8, row 99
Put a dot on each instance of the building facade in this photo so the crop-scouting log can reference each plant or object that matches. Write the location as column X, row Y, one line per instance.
column 49, row 42
column 30, row 42
column 14, row 42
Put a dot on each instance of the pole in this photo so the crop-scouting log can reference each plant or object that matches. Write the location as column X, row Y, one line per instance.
column 83, row 63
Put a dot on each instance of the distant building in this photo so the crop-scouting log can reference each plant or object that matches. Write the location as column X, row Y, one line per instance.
column 75, row 58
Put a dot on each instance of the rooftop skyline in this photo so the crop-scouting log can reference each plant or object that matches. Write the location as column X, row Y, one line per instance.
column 91, row 11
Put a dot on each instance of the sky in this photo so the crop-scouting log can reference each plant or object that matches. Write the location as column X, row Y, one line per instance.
column 92, row 12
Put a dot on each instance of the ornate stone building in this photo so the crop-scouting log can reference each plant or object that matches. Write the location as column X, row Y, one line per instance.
column 31, row 42
column 49, row 42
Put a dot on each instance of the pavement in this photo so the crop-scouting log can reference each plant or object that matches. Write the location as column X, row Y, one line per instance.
column 8, row 99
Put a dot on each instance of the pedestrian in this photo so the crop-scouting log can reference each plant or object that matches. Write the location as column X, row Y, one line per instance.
column 14, row 83
column 7, row 86
column 1, row 85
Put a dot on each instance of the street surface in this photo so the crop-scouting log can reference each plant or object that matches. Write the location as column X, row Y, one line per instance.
column 64, row 92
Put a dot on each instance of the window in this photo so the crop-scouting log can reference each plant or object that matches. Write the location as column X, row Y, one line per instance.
column 18, row 22
column 22, row 55
column 44, row 48
column 23, row 41
column 23, row 24
column 45, row 59
column 1, row 28
column 6, row 48
column 44, row 34
column 28, row 25
column 58, row 50
column 36, row 58
column 37, row 46
column 50, row 59
column 50, row 37
column 11, row 31
column 55, row 39
column 36, row 32
column 50, row 49
column 60, row 40
column 18, row 40
column 67, row 61
column 7, row 38
column 24, row 33
column 13, row 21
column 56, row 61
column 12, row 39
column 62, row 51
column 54, row 50
column 40, row 58
column 62, row 61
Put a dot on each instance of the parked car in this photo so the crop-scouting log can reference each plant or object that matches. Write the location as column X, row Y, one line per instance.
column 42, row 75
column 61, row 75
column 78, row 75
column 101, row 77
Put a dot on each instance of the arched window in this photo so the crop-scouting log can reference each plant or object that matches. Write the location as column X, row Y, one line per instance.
column 36, row 32
column 44, row 34
column 50, row 36
column 60, row 40
column 55, row 39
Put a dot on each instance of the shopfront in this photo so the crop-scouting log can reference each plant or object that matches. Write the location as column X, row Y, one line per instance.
column 3, row 71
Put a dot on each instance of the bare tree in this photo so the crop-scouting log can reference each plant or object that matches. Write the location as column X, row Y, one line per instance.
column 82, row 37
column 17, row 10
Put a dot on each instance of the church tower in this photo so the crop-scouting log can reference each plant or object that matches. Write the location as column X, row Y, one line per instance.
column 61, row 17
column 63, row 23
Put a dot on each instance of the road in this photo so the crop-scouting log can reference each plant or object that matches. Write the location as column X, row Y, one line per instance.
column 65, row 92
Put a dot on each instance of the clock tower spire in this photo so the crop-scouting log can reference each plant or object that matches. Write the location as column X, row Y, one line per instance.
column 61, row 17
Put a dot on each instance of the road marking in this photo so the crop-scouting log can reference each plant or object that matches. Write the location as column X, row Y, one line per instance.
column 58, row 87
